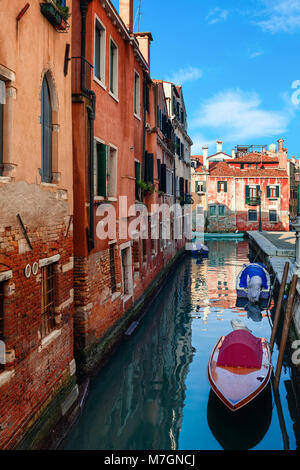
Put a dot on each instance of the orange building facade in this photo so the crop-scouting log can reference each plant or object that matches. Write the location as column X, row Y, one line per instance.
column 123, row 157
column 36, row 235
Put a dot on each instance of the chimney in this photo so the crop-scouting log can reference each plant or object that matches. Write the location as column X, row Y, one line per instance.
column 126, row 13
column 144, row 40
column 233, row 153
column 205, row 156
column 282, row 155
column 280, row 145
column 219, row 146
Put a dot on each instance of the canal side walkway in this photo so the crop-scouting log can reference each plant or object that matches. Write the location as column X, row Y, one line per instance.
column 277, row 248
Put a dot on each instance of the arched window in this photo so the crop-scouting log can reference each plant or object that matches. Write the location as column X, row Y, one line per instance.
column 46, row 122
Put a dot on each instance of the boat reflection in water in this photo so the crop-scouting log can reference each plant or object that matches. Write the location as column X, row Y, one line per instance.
column 243, row 429
column 137, row 403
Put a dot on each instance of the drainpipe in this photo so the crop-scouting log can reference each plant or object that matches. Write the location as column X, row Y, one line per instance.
column 145, row 82
column 91, row 116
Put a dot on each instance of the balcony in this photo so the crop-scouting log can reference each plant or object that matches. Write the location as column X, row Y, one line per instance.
column 252, row 201
column 56, row 14
column 81, row 75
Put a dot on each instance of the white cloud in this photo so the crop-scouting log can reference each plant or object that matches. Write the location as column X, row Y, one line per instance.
column 216, row 15
column 255, row 54
column 185, row 75
column 239, row 116
column 280, row 16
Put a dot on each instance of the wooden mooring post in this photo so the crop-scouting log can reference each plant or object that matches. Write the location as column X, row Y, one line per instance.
column 279, row 304
column 285, row 330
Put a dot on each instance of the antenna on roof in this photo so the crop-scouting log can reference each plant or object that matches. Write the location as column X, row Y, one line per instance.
column 138, row 16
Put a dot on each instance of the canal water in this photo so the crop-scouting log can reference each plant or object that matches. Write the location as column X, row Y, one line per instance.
column 154, row 392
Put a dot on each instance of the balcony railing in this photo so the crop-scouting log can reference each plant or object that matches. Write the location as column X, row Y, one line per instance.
column 252, row 201
column 81, row 75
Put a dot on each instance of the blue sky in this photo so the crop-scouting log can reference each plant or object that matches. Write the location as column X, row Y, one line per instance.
column 237, row 61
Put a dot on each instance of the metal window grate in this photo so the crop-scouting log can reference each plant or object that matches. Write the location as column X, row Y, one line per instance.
column 47, row 300
column 112, row 269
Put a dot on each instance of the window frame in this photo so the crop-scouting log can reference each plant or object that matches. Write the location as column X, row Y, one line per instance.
column 102, row 53
column 253, row 211
column 113, row 69
column 212, row 206
column 223, row 208
column 137, row 95
column 273, row 221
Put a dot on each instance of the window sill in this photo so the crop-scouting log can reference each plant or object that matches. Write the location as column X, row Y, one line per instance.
column 137, row 116
column 99, row 82
column 126, row 297
column 114, row 96
column 49, row 185
column 5, row 179
column 115, row 296
column 49, row 339
column 5, row 376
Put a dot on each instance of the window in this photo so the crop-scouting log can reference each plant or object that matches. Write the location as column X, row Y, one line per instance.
column 221, row 210
column 46, row 122
column 273, row 192
column 222, row 186
column 136, row 256
column 112, row 268
column 148, row 177
column 137, row 171
column 48, row 299
column 242, row 166
column 212, row 211
column 105, row 170
column 273, row 216
column 113, row 81
column 252, row 216
column 137, row 94
column 251, row 194
column 126, row 271
column 169, row 182
column 99, row 52
column 112, row 172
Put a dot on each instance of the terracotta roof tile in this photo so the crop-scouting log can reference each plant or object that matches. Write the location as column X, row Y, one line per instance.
column 223, row 169
column 255, row 157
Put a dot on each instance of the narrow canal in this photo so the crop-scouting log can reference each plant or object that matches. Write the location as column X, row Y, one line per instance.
column 154, row 392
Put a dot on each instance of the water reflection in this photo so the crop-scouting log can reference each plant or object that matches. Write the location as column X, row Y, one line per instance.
column 137, row 403
column 243, row 429
column 154, row 392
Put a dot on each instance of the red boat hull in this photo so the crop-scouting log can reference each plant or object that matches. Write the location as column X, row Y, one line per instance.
column 237, row 386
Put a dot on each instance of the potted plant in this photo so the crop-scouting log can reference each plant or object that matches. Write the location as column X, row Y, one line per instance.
column 56, row 14
column 146, row 187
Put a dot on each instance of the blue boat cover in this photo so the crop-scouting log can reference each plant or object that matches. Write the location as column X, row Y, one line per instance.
column 253, row 270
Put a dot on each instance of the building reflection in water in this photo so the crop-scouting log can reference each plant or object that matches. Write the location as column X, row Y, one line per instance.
column 136, row 401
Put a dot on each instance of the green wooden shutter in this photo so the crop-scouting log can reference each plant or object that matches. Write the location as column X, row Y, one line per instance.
column 137, row 171
column 268, row 191
column 218, row 187
column 149, row 168
column 257, row 190
column 247, row 193
column 101, row 169
column 159, row 173
column 225, row 186
column 163, row 173
column 204, row 186
column 277, row 191
column 196, row 186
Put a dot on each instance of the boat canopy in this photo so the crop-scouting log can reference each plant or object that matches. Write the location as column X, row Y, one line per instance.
column 251, row 270
column 240, row 349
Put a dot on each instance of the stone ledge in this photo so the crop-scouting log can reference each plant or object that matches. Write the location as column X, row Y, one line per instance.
column 49, row 339
column 6, row 376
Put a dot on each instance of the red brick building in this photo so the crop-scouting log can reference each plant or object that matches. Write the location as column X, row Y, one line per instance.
column 37, row 381
column 240, row 190
column 122, row 141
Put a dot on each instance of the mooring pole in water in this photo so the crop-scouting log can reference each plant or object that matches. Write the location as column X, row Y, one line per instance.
column 279, row 304
column 285, row 437
column 285, row 330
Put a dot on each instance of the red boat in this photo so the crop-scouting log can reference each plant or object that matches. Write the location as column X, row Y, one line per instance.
column 239, row 368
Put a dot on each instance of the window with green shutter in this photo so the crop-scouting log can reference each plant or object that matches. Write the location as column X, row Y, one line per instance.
column 137, row 171
column 272, row 191
column 100, row 169
column 196, row 186
column 221, row 210
column 212, row 210
column 222, row 186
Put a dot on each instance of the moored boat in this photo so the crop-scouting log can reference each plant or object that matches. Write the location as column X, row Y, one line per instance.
column 253, row 282
column 239, row 368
